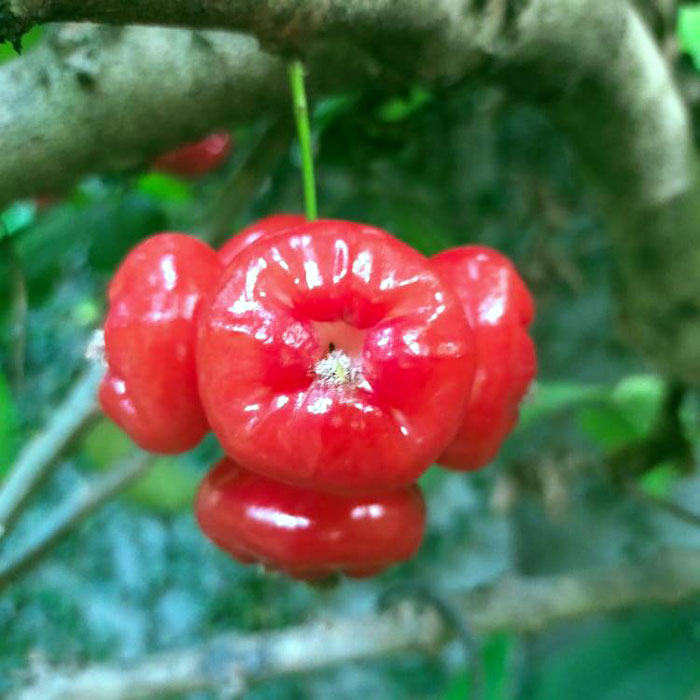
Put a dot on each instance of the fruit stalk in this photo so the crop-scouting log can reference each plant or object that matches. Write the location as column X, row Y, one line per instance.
column 301, row 117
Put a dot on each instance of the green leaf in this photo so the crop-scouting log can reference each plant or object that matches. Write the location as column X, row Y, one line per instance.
column 607, row 426
column 658, row 481
column 400, row 108
column 497, row 652
column 329, row 109
column 18, row 216
column 7, row 52
column 648, row 656
column 86, row 313
column 626, row 415
column 688, row 31
column 105, row 444
column 431, row 478
column 553, row 397
column 639, row 398
column 164, row 188
column 167, row 487
column 9, row 429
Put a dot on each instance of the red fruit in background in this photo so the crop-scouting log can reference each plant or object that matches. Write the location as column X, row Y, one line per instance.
column 265, row 227
column 332, row 355
column 305, row 533
column 150, row 388
column 499, row 308
column 45, row 201
column 198, row 158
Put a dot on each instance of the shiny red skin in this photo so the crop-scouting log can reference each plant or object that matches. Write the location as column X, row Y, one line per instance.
column 276, row 223
column 499, row 308
column 276, row 314
column 308, row 534
column 198, row 158
column 150, row 388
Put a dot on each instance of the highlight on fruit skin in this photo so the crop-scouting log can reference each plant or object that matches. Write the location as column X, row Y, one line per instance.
column 323, row 352
column 198, row 158
column 316, row 352
column 307, row 534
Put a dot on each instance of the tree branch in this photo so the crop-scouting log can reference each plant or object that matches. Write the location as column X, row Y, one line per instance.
column 287, row 25
column 100, row 98
column 72, row 512
column 41, row 454
column 631, row 134
column 104, row 99
column 518, row 604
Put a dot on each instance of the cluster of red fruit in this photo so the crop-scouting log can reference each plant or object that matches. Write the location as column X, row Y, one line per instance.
column 334, row 363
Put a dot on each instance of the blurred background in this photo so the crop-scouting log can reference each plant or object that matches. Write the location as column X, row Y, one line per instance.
column 603, row 446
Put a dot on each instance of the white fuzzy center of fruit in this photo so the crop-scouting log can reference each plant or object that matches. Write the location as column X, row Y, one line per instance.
column 336, row 368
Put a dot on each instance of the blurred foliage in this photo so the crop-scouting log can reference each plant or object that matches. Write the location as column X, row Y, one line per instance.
column 166, row 488
column 8, row 426
column 689, row 31
column 628, row 414
column 437, row 170
column 164, row 188
column 647, row 655
column 497, row 654
column 29, row 40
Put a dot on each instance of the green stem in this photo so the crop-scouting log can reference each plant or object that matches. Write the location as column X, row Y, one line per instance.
column 301, row 116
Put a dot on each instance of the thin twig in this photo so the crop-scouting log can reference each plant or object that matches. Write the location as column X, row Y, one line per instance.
column 677, row 511
column 72, row 512
column 520, row 604
column 41, row 454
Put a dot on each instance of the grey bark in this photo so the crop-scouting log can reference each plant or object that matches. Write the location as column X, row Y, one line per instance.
column 97, row 98
column 519, row 604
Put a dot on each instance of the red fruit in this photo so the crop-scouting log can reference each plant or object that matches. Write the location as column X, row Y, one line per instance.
column 304, row 533
column 499, row 308
column 45, row 201
column 150, row 389
column 332, row 355
column 265, row 227
column 198, row 158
